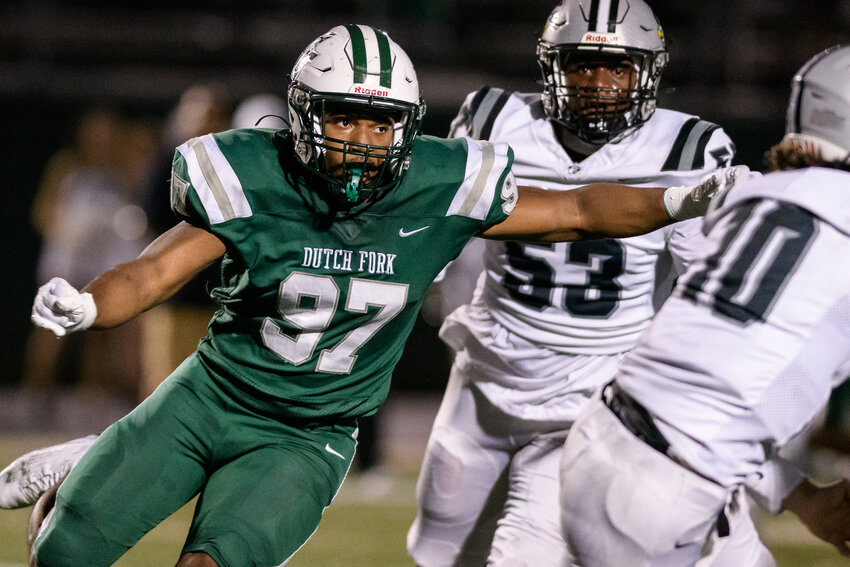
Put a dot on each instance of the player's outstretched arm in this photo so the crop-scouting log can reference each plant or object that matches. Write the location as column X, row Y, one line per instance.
column 593, row 211
column 607, row 210
column 126, row 290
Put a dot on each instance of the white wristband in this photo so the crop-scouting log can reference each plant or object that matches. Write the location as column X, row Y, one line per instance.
column 677, row 204
column 88, row 311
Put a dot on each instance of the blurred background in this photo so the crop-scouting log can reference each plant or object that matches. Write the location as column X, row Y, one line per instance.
column 129, row 63
column 95, row 95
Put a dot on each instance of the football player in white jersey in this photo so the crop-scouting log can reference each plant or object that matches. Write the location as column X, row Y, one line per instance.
column 740, row 358
column 548, row 325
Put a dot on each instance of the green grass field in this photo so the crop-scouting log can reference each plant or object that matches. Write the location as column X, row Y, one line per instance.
column 360, row 529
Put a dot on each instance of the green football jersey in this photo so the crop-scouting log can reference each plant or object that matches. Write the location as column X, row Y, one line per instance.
column 315, row 308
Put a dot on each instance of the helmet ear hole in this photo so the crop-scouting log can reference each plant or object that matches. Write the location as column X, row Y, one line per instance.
column 299, row 120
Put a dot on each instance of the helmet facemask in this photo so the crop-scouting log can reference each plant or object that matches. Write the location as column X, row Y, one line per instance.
column 595, row 114
column 588, row 28
column 366, row 171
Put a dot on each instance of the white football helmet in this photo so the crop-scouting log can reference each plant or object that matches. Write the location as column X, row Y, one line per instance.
column 360, row 65
column 623, row 27
column 818, row 119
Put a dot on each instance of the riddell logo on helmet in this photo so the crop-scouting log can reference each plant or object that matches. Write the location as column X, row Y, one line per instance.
column 367, row 91
column 591, row 37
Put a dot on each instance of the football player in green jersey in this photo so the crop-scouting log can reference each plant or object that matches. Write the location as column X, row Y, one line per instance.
column 329, row 235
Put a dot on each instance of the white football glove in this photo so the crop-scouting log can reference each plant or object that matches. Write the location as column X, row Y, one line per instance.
column 62, row 309
column 688, row 202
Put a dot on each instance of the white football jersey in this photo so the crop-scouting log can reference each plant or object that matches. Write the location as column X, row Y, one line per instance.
column 745, row 353
column 593, row 297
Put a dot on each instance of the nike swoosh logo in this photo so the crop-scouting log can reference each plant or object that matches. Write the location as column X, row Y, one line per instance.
column 403, row 234
column 332, row 452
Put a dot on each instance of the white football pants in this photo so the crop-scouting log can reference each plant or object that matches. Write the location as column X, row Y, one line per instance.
column 488, row 490
column 624, row 503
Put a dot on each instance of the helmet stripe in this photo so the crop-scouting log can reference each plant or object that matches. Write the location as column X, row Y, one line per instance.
column 594, row 16
column 612, row 16
column 358, row 52
column 795, row 116
column 798, row 86
column 386, row 58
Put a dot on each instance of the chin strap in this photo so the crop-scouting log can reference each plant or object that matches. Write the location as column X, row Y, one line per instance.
column 351, row 186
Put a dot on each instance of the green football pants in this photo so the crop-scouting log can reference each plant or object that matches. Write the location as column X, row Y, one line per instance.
column 263, row 482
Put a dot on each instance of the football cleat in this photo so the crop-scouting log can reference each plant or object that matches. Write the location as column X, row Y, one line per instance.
column 31, row 475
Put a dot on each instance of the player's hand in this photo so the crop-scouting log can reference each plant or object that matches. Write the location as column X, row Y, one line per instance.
column 692, row 201
column 62, row 309
column 825, row 510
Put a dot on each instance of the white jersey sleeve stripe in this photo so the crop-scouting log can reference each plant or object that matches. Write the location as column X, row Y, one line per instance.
column 199, row 182
column 228, row 181
column 213, row 183
column 487, row 160
column 216, row 183
column 482, row 113
column 484, row 168
column 689, row 153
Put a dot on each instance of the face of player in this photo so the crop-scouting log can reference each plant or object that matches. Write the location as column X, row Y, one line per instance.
column 602, row 82
column 356, row 131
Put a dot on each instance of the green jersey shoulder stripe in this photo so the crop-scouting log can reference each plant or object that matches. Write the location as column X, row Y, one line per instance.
column 217, row 185
column 487, row 167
